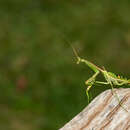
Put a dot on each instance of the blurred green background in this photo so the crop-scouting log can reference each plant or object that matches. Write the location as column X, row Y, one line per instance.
column 41, row 86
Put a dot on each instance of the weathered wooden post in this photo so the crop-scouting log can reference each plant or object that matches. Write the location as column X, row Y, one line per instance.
column 104, row 113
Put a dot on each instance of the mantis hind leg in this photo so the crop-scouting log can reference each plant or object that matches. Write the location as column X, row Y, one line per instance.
column 117, row 97
column 115, row 94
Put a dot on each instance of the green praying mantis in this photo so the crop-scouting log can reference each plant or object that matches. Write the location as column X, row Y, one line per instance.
column 111, row 78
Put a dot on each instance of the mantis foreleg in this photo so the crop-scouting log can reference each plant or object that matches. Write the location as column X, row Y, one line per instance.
column 90, row 82
column 88, row 93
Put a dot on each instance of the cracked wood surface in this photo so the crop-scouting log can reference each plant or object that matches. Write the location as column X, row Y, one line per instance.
column 104, row 113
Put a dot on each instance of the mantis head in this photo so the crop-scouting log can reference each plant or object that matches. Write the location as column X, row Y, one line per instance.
column 76, row 54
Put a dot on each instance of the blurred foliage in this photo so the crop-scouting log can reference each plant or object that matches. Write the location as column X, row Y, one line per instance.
column 41, row 87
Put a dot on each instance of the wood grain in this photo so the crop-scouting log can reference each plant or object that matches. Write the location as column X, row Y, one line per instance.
column 104, row 113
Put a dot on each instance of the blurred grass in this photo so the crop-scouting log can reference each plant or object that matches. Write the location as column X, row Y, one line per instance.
column 41, row 86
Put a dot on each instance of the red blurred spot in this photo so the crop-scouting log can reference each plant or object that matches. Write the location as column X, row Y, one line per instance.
column 21, row 83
